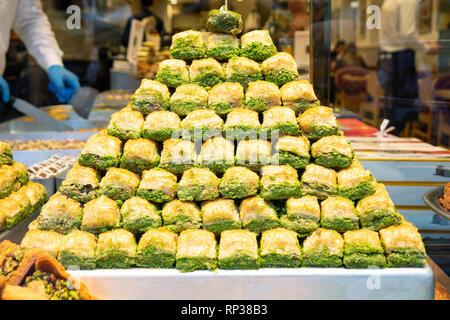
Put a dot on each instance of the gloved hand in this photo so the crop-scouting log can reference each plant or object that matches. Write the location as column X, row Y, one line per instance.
column 63, row 83
column 4, row 92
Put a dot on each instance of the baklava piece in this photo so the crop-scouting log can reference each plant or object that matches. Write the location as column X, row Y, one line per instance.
column 323, row 249
column 101, row 151
column 201, row 124
column 319, row 181
column 81, row 184
column 78, row 250
column 280, row 69
column 362, row 250
column 224, row 97
column 206, row 72
column 403, row 246
column 280, row 249
column 178, row 156
column 126, row 124
column 377, row 211
column 333, row 152
column 100, row 215
column 355, row 182
column 220, row 215
column 224, row 21
column 198, row 184
column 172, row 73
column 150, row 96
column 196, row 251
column 293, row 151
column 279, row 182
column 339, row 214
column 13, row 211
column 318, row 122
column 257, row 45
column 222, row 46
column 299, row 95
column 238, row 249
column 243, row 71
column 180, row 215
column 60, row 214
column 8, row 178
column 279, row 120
column 21, row 173
column 253, row 154
column 5, row 154
column 161, row 125
column 157, row 185
column 36, row 193
column 217, row 154
column 49, row 241
column 262, row 95
column 242, row 124
column 116, row 249
column 119, row 184
column 258, row 215
column 302, row 215
column 188, row 45
column 187, row 98
column 138, row 215
column 139, row 155
column 157, row 248
column 238, row 183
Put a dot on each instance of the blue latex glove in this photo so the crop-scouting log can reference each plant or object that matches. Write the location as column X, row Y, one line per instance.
column 4, row 92
column 63, row 83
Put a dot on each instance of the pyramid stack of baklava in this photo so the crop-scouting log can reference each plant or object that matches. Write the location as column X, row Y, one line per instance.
column 226, row 161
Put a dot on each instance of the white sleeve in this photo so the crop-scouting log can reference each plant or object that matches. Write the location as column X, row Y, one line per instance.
column 408, row 25
column 33, row 27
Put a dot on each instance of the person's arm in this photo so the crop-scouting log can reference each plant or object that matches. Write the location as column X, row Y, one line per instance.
column 408, row 25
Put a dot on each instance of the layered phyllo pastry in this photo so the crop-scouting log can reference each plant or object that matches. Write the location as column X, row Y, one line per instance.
column 243, row 71
column 279, row 248
column 49, row 241
column 302, row 215
column 238, row 183
column 81, row 184
column 138, row 215
column 279, row 182
column 257, row 45
column 222, row 46
column 198, row 184
column 157, row 185
column 319, row 181
column 403, row 246
column 101, row 151
column 11, row 257
column 119, row 184
column 338, row 214
column 224, row 21
column 280, row 69
column 5, row 154
column 299, row 95
column 14, row 209
column 206, row 72
column 180, row 215
column 36, row 193
column 258, row 215
column 116, row 249
column 178, row 155
column 172, row 73
column 224, row 97
column 362, row 250
column 60, row 214
column 253, row 154
column 238, row 249
column 220, row 215
column 152, row 95
column 242, row 124
column 100, row 215
column 201, row 124
column 279, row 120
column 355, row 182
column 262, row 95
column 24, row 202
column 188, row 45
column 157, row 248
column 21, row 173
column 293, row 151
column 323, row 249
column 333, row 152
column 217, row 154
column 78, row 250
column 187, row 98
column 196, row 250
column 126, row 124
column 377, row 211
column 161, row 125
column 139, row 155
column 8, row 177
column 318, row 122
